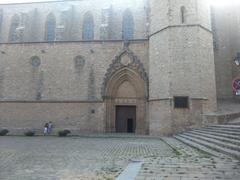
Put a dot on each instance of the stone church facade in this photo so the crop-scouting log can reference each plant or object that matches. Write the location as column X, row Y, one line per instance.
column 93, row 66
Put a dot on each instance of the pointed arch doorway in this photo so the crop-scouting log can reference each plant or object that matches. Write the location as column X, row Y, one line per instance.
column 125, row 95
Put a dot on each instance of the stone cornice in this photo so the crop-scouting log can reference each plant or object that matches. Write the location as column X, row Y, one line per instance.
column 80, row 41
column 50, row 101
column 179, row 26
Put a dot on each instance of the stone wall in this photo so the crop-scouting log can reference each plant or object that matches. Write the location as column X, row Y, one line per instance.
column 226, row 23
column 61, row 88
column 79, row 117
column 59, row 77
column 181, row 63
column 235, row 41
column 222, row 52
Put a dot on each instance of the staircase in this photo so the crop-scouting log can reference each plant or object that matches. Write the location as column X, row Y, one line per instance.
column 235, row 122
column 214, row 139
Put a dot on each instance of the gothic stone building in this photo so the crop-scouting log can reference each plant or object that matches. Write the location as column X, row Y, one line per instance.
column 93, row 66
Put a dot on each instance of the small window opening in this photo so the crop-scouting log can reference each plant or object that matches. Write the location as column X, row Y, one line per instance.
column 183, row 14
column 181, row 102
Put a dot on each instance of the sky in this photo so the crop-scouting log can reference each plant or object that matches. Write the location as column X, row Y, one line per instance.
column 20, row 1
column 213, row 2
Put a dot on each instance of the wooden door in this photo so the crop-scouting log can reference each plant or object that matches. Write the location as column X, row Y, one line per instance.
column 125, row 119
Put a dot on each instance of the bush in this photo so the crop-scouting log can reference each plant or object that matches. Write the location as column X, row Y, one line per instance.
column 63, row 133
column 3, row 132
column 29, row 133
column 67, row 131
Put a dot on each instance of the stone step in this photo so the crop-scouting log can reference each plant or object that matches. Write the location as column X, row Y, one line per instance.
column 227, row 126
column 215, row 147
column 218, row 134
column 224, row 131
column 235, row 122
column 199, row 146
column 216, row 142
column 224, row 139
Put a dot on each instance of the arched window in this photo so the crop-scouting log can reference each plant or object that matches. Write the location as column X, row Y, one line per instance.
column 50, row 28
column 183, row 14
column 127, row 25
column 88, row 23
column 13, row 34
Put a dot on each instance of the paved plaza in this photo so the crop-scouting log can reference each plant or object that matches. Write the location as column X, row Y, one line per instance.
column 77, row 158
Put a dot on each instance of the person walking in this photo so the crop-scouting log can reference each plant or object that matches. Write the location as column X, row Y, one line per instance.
column 45, row 131
column 50, row 126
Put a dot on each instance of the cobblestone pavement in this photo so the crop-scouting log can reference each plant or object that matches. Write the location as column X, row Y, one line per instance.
column 76, row 158
column 189, row 164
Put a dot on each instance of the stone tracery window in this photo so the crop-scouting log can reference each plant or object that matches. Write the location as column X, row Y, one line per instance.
column 50, row 28
column 127, row 25
column 88, row 27
column 13, row 34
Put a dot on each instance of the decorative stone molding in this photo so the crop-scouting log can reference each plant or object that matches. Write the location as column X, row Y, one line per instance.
column 125, row 59
column 124, row 101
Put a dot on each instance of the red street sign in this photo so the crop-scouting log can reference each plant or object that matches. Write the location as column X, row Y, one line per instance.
column 236, row 84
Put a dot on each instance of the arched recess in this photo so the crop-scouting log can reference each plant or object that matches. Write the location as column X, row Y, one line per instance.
column 126, row 69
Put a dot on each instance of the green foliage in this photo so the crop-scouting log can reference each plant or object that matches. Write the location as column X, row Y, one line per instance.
column 29, row 133
column 3, row 132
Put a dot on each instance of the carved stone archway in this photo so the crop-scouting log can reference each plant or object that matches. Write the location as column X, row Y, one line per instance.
column 126, row 67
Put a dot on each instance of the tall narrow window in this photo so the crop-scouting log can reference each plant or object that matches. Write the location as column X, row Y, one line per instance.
column 183, row 14
column 105, row 28
column 88, row 23
column 127, row 25
column 1, row 18
column 64, row 27
column 50, row 28
column 13, row 34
